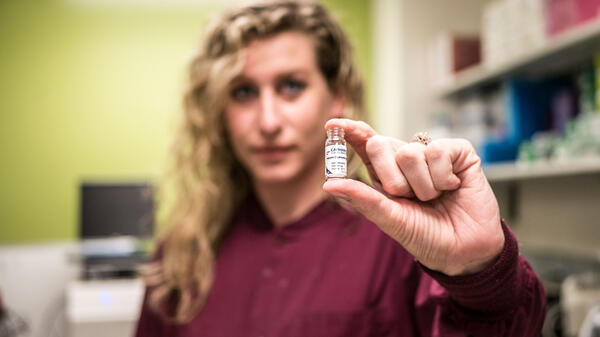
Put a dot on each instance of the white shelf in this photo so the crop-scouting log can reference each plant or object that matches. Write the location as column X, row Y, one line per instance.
column 521, row 171
column 567, row 49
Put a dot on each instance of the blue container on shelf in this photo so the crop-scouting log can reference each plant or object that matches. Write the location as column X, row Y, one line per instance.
column 493, row 151
column 527, row 106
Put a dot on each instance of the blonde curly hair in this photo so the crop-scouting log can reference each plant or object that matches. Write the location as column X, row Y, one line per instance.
column 209, row 182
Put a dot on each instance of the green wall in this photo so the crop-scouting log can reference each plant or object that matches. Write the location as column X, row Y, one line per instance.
column 90, row 92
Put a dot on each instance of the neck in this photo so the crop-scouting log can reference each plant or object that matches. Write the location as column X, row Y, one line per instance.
column 289, row 201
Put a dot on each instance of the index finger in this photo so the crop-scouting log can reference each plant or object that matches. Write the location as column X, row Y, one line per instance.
column 356, row 133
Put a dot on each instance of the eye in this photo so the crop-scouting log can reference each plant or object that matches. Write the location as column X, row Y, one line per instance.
column 291, row 88
column 244, row 93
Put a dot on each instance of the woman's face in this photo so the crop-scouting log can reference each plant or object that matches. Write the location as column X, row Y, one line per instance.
column 277, row 107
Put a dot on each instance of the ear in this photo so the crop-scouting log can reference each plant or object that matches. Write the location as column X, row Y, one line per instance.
column 337, row 106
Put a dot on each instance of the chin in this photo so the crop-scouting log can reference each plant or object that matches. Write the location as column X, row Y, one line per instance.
column 274, row 175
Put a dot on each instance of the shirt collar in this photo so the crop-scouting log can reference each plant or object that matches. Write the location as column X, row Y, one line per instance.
column 253, row 213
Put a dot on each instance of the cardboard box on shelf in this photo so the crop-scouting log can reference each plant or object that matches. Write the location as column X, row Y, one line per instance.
column 450, row 53
column 562, row 15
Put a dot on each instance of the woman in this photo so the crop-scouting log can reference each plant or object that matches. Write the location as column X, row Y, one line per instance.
column 256, row 247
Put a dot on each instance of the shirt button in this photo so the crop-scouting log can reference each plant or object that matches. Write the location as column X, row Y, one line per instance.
column 283, row 283
column 267, row 272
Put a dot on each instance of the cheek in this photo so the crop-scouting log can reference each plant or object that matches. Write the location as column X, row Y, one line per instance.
column 236, row 123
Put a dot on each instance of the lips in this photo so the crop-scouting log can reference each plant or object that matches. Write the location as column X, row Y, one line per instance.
column 272, row 153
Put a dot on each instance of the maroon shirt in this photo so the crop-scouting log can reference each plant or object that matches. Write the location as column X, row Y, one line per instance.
column 334, row 273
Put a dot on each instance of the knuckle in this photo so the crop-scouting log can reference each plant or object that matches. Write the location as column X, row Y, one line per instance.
column 364, row 126
column 408, row 155
column 434, row 151
column 375, row 144
column 466, row 144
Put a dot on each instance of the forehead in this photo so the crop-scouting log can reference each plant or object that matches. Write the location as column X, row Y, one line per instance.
column 283, row 52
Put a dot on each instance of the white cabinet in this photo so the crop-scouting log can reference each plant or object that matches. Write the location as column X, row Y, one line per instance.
column 103, row 307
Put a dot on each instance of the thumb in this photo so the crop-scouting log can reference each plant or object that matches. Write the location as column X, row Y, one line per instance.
column 389, row 215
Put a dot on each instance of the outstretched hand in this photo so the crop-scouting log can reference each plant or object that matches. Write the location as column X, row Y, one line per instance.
column 434, row 200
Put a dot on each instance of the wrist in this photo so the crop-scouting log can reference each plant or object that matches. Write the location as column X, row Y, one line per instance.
column 473, row 259
column 499, row 283
column 485, row 262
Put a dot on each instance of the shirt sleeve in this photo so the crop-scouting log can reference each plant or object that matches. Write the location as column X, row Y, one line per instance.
column 505, row 299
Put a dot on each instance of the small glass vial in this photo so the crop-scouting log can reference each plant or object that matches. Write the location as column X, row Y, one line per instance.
column 335, row 153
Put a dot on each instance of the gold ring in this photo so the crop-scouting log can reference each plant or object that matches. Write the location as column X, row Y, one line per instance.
column 421, row 137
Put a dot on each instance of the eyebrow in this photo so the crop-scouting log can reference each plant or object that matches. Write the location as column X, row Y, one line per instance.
column 296, row 72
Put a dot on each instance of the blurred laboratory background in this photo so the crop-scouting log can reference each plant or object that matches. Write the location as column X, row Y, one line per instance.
column 90, row 91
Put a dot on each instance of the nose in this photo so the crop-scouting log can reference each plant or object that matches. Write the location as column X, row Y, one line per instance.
column 269, row 119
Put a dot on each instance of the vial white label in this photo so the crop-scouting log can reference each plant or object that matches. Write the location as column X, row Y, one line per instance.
column 335, row 161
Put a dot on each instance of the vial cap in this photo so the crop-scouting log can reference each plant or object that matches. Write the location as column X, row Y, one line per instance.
column 335, row 131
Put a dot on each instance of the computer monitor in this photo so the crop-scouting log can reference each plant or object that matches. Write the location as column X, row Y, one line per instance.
column 116, row 209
